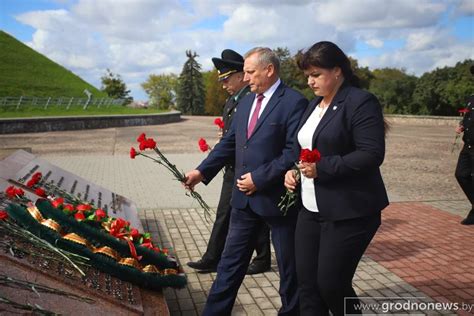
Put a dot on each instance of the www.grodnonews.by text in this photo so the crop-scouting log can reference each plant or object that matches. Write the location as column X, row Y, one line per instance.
column 390, row 305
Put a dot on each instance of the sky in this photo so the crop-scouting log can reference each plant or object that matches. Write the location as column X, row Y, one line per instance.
column 137, row 38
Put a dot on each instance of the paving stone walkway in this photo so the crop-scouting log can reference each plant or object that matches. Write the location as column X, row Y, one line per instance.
column 421, row 255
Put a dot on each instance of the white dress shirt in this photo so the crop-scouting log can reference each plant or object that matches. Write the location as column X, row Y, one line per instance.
column 267, row 95
column 305, row 139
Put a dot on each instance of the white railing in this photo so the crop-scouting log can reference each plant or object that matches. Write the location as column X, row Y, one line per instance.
column 67, row 102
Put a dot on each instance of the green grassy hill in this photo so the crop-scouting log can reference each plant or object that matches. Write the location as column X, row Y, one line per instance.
column 25, row 72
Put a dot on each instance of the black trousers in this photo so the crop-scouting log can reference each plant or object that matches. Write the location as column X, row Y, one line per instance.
column 216, row 243
column 464, row 172
column 327, row 254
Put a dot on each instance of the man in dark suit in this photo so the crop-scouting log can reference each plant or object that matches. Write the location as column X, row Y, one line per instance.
column 230, row 73
column 261, row 140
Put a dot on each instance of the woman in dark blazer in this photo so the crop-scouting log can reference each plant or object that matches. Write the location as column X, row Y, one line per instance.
column 343, row 194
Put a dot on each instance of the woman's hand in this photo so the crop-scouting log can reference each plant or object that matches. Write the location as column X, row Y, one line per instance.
column 308, row 169
column 459, row 129
column 290, row 180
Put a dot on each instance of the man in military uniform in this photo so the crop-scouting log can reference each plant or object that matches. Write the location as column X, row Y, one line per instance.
column 230, row 70
column 465, row 167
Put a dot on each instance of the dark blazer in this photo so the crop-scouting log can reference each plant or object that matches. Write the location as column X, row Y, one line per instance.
column 351, row 140
column 267, row 154
column 230, row 107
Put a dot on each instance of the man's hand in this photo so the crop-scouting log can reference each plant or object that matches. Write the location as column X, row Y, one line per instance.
column 193, row 177
column 246, row 185
column 459, row 129
column 291, row 180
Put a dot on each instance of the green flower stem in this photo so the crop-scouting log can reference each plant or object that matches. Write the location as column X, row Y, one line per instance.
column 11, row 282
column 47, row 245
column 181, row 177
column 27, row 307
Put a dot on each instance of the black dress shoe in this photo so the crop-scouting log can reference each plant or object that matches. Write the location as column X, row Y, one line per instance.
column 469, row 220
column 256, row 268
column 203, row 266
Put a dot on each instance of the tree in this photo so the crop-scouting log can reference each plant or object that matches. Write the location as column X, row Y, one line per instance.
column 113, row 85
column 290, row 74
column 162, row 90
column 444, row 90
column 190, row 94
column 394, row 89
column 363, row 73
column 216, row 96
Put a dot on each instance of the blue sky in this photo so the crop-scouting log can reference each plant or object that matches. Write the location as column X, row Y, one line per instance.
column 136, row 38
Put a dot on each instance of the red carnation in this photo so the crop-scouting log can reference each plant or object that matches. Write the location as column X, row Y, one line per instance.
column 203, row 146
column 10, row 191
column 19, row 192
column 79, row 216
column 133, row 153
column 219, row 122
column 13, row 192
column 58, row 202
column 148, row 245
column 142, row 145
column 310, row 156
column 141, row 138
column 68, row 207
column 150, row 143
column 40, row 192
column 37, row 176
column 3, row 215
column 100, row 214
column 463, row 111
column 83, row 207
column 135, row 234
column 118, row 226
column 31, row 183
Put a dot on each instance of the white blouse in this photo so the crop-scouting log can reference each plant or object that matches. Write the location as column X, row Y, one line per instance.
column 305, row 139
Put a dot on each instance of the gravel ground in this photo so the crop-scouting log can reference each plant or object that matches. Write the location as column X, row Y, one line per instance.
column 419, row 165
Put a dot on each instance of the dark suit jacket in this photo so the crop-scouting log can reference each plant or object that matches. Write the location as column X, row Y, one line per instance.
column 351, row 140
column 267, row 154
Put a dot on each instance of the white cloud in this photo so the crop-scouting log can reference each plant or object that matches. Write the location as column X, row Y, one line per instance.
column 374, row 42
column 381, row 14
column 426, row 56
column 465, row 7
column 136, row 38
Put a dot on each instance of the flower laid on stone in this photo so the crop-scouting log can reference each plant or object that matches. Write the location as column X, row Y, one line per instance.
column 289, row 199
column 145, row 143
column 82, row 211
column 3, row 215
column 110, row 244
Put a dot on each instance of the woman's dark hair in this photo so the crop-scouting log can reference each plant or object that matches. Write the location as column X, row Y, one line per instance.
column 327, row 55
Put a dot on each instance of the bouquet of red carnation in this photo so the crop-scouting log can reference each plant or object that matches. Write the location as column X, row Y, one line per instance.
column 461, row 112
column 219, row 122
column 149, row 143
column 289, row 199
column 203, row 145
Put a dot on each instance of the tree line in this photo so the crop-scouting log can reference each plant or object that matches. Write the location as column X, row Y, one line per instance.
column 442, row 91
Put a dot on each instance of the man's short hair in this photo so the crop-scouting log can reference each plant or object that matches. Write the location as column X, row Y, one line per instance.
column 265, row 56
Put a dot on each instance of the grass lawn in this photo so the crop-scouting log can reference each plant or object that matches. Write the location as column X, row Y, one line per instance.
column 73, row 111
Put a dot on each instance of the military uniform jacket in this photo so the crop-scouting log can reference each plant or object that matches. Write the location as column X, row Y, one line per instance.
column 468, row 122
column 230, row 107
